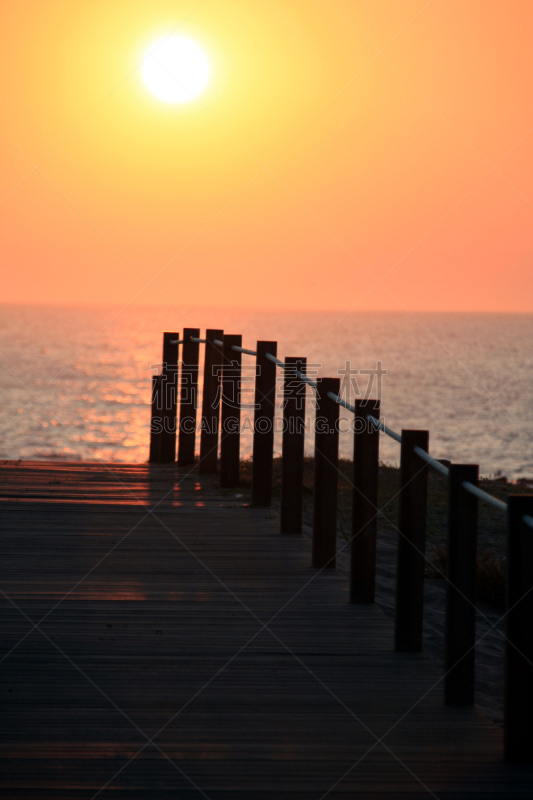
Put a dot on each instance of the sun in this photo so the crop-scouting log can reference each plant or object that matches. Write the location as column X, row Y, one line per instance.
column 176, row 69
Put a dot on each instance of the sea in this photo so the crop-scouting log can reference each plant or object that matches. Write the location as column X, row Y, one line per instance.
column 76, row 381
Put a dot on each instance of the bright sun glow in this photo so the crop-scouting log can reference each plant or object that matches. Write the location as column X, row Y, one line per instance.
column 176, row 69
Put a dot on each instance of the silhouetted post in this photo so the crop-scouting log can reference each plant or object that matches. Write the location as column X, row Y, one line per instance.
column 230, row 413
column 188, row 396
column 461, row 559
column 518, row 704
column 292, row 457
column 364, row 503
column 326, row 474
column 411, row 543
column 156, row 420
column 265, row 407
column 169, row 390
column 213, row 361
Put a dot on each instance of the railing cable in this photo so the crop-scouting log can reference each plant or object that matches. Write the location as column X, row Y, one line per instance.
column 275, row 360
column 233, row 347
column 369, row 417
column 431, row 461
column 487, row 498
column 290, row 367
column 305, row 379
column 384, row 428
column 341, row 402
column 243, row 350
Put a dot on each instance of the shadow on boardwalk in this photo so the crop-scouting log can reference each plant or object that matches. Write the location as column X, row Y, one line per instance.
column 192, row 652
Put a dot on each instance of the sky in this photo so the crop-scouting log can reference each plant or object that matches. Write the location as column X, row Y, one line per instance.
column 372, row 155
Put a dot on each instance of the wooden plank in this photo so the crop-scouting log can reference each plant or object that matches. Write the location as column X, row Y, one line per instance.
column 159, row 620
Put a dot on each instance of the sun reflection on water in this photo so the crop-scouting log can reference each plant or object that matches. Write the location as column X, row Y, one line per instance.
column 88, row 397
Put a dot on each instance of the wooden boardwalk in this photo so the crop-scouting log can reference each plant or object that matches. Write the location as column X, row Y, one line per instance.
column 192, row 652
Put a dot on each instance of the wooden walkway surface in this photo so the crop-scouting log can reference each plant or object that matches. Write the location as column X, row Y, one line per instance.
column 190, row 651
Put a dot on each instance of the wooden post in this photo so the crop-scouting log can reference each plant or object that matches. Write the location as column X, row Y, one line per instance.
column 188, row 396
column 326, row 474
column 230, row 413
column 213, row 361
column 169, row 391
column 518, row 699
column 156, row 421
column 461, row 554
column 411, row 543
column 364, row 503
column 292, row 461
column 265, row 407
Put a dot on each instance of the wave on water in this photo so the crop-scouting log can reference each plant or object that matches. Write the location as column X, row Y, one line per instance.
column 83, row 393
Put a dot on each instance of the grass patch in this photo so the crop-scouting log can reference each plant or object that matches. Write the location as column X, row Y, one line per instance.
column 490, row 577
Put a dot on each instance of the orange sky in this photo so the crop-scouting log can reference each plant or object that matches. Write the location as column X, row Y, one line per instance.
column 311, row 168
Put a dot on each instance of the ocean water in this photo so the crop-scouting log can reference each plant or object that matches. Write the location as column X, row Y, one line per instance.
column 75, row 382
